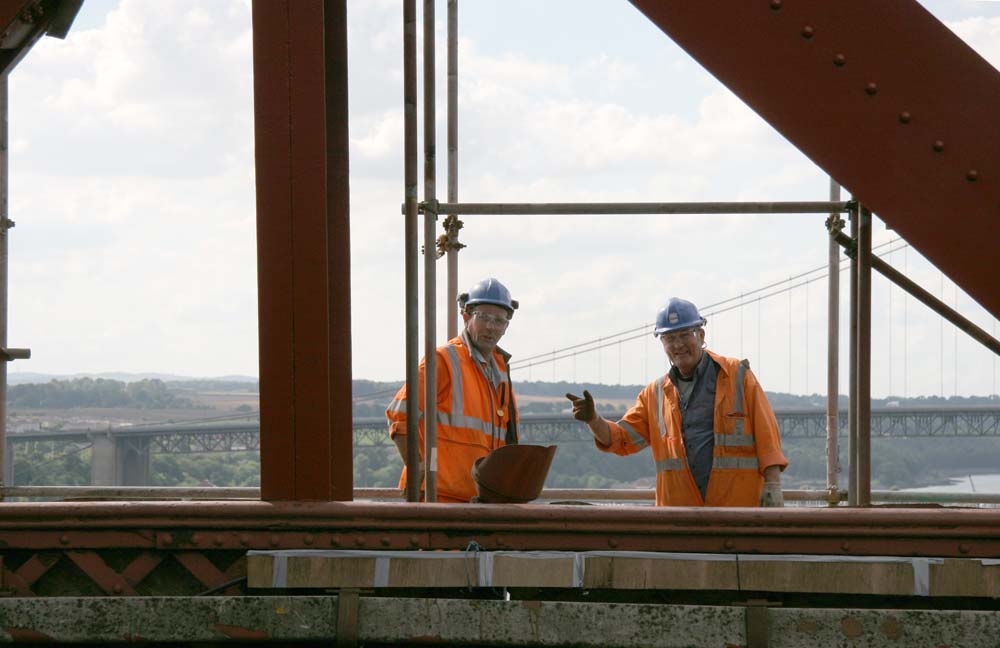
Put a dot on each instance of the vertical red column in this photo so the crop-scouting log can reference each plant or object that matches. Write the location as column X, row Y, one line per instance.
column 303, row 248
column 339, row 250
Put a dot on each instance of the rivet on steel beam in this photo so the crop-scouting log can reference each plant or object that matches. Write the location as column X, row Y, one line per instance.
column 360, row 541
column 728, row 544
column 335, row 541
column 273, row 541
column 117, row 588
column 775, row 5
column 218, row 540
column 307, row 538
column 385, row 541
column 64, row 539
column 167, row 539
column 871, row 89
column 839, row 60
column 195, row 539
column 244, row 539
column 963, row 548
column 499, row 541
column 972, row 175
column 808, row 31
column 612, row 543
column 415, row 541
column 938, row 146
column 905, row 117
column 845, row 546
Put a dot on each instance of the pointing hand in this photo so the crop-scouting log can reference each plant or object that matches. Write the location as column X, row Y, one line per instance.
column 583, row 408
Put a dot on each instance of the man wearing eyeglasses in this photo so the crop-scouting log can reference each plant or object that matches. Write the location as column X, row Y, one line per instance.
column 476, row 410
column 714, row 436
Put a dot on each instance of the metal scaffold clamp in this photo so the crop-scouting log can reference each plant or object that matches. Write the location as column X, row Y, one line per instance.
column 428, row 207
column 835, row 224
column 448, row 241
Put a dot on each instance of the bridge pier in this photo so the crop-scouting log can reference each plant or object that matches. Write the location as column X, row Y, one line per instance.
column 119, row 461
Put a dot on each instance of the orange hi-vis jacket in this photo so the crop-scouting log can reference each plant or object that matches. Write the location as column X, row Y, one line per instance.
column 472, row 416
column 747, row 440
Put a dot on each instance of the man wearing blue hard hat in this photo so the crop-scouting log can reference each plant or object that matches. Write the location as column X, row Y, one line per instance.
column 714, row 436
column 476, row 409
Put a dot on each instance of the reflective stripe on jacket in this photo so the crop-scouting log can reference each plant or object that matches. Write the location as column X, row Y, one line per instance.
column 747, row 439
column 469, row 419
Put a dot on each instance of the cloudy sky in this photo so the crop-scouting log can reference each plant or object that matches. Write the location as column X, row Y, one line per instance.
column 132, row 185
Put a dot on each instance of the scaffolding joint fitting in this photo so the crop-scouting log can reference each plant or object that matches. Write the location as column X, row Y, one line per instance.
column 835, row 224
column 852, row 206
column 448, row 242
column 428, row 207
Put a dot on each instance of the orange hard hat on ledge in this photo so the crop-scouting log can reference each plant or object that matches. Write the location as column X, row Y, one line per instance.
column 512, row 474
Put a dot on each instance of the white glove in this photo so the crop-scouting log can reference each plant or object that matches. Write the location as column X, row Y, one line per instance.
column 771, row 496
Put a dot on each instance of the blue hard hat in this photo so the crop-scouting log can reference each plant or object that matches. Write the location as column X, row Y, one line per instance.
column 677, row 315
column 488, row 291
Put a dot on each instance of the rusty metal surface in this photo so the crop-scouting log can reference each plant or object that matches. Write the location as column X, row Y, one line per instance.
column 338, row 211
column 303, row 249
column 879, row 94
column 11, row 12
column 274, row 271
column 262, row 525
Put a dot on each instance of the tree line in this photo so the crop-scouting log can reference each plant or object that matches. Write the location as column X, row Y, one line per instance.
column 97, row 392
column 896, row 463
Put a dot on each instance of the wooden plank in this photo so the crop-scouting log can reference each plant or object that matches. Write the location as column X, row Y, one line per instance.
column 614, row 572
column 318, row 571
column 625, row 570
column 260, row 571
column 834, row 576
column 456, row 572
column 965, row 577
column 523, row 571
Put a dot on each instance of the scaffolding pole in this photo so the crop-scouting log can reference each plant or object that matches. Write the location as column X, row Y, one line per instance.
column 542, row 209
column 852, row 381
column 451, row 235
column 430, row 258
column 411, row 250
column 864, row 402
column 834, row 225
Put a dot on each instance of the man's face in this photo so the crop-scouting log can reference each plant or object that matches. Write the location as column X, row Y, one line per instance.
column 684, row 349
column 486, row 324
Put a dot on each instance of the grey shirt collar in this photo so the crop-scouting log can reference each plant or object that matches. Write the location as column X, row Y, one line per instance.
column 488, row 366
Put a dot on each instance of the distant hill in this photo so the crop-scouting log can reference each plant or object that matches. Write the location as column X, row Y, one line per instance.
column 28, row 377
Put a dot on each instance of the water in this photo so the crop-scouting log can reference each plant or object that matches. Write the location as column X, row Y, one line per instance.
column 967, row 484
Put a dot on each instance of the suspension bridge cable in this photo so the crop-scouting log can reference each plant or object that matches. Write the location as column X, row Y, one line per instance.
column 608, row 340
column 707, row 307
column 605, row 343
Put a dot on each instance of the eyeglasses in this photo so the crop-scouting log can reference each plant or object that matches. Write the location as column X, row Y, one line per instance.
column 681, row 337
column 491, row 320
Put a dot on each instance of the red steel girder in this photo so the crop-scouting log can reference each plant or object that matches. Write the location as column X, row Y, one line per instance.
column 11, row 9
column 213, row 526
column 303, row 249
column 883, row 97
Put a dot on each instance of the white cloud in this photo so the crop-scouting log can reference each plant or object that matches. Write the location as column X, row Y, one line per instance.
column 132, row 186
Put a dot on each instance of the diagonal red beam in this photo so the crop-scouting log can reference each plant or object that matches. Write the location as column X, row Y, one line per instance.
column 113, row 583
column 883, row 97
column 10, row 10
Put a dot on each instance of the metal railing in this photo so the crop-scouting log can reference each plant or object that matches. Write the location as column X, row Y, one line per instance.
column 550, row 495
